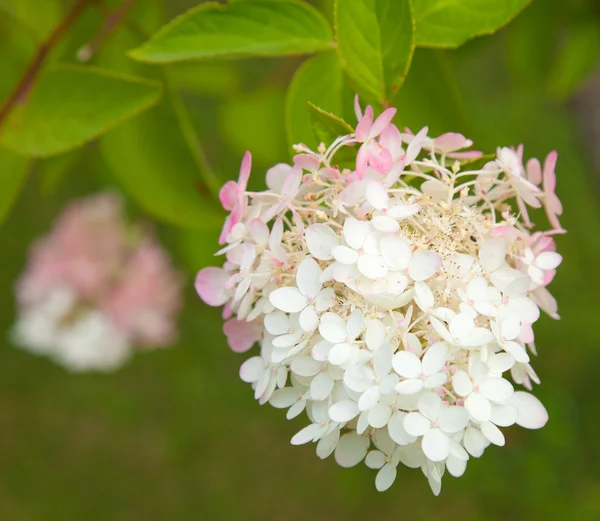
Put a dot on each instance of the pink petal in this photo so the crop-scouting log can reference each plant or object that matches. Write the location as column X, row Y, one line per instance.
column 357, row 109
column 364, row 126
column 549, row 175
column 228, row 195
column 210, row 285
column 245, row 172
column 307, row 162
column 451, row 141
column 241, row 335
column 362, row 160
column 382, row 122
column 379, row 158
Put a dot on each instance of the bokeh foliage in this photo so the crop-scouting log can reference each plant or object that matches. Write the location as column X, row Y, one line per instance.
column 176, row 435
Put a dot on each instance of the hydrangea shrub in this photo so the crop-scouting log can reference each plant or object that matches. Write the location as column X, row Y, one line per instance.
column 95, row 288
column 392, row 301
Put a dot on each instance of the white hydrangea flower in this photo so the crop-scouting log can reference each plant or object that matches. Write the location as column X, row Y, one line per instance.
column 396, row 300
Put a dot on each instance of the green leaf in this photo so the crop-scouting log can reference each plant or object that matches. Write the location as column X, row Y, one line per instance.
column 319, row 80
column 197, row 248
column 150, row 159
column 577, row 58
column 327, row 126
column 72, row 105
column 39, row 17
column 450, row 23
column 253, row 122
column 13, row 171
column 54, row 170
column 376, row 40
column 250, row 28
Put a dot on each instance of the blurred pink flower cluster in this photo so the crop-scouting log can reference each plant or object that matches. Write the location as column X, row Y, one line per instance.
column 95, row 288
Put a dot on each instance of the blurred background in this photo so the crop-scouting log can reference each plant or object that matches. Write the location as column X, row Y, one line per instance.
column 175, row 434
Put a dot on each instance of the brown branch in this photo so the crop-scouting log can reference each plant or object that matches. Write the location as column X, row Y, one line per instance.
column 24, row 86
column 112, row 20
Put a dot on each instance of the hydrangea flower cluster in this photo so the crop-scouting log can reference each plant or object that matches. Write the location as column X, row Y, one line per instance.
column 94, row 288
column 393, row 301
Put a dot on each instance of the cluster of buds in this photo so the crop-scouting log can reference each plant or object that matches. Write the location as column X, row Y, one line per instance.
column 95, row 288
column 392, row 301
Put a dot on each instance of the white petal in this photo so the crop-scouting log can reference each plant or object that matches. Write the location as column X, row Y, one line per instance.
column 351, row 450
column 328, row 444
column 340, row 353
column 369, row 398
column 375, row 334
column 307, row 278
column 416, row 424
column 324, row 299
column 355, row 324
column 385, row 477
column 518, row 286
column 411, row 386
column 343, row 411
column 461, row 326
column 526, row 309
column 500, row 362
column 359, row 378
column 309, row 319
column 496, row 389
column 423, row 296
column 356, row 232
column 492, row 254
column 379, row 415
column 517, row 351
column 475, row 442
column 397, row 431
column 402, row 211
column 436, row 445
column 396, row 252
column 461, row 381
column 477, row 289
column 424, row 265
column 288, row 299
column 430, row 405
column 385, row 224
column 453, row 419
column 531, row 413
column 321, row 387
column 478, row 337
column 456, row 467
column 283, row 398
column 493, row 433
column 435, row 380
column 307, row 434
column 548, row 260
column 441, row 330
column 375, row 459
column 479, row 407
column 320, row 240
column 504, row 415
column 277, row 323
column 305, row 366
column 252, row 369
column 382, row 361
column 510, row 327
column 332, row 328
column 407, row 364
column 372, row 266
column 344, row 254
column 435, row 358
column 296, row 409
column 377, row 195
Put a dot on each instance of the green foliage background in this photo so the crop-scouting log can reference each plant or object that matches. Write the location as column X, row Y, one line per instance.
column 175, row 434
